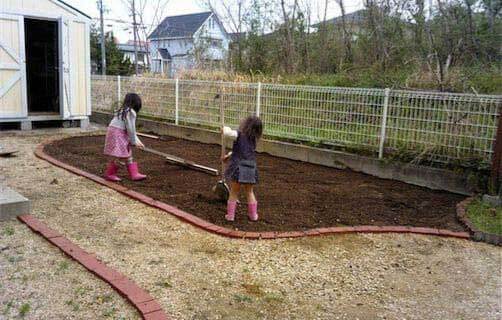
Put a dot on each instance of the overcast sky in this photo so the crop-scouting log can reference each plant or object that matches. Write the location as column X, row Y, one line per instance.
column 117, row 10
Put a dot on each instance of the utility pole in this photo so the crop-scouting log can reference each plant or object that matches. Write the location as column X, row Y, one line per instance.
column 103, row 48
column 135, row 30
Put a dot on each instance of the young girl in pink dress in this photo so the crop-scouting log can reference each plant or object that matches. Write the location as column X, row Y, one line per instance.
column 120, row 136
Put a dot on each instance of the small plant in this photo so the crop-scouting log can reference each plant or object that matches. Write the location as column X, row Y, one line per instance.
column 14, row 259
column 242, row 298
column 109, row 312
column 24, row 309
column 104, row 298
column 254, row 289
column 9, row 231
column 63, row 266
column 75, row 306
column 80, row 291
column 8, row 306
column 273, row 297
column 164, row 284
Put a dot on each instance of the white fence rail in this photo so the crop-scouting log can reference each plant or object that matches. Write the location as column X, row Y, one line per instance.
column 418, row 126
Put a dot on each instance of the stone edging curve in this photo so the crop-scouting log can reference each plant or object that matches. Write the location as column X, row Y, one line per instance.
column 477, row 234
column 146, row 305
column 203, row 224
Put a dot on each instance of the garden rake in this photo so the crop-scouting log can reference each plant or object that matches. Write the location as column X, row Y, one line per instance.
column 221, row 188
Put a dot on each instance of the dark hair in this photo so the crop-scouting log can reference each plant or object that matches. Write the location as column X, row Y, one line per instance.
column 251, row 127
column 131, row 101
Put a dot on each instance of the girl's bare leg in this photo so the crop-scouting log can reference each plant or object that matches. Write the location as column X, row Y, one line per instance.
column 235, row 189
column 232, row 200
column 250, row 196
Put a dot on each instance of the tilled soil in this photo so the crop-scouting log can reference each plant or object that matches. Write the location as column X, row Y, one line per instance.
column 292, row 195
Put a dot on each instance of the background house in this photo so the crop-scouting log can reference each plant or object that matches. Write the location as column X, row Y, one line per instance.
column 189, row 41
column 355, row 23
column 127, row 50
column 44, row 62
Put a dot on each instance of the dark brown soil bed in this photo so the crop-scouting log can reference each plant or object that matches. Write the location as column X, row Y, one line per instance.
column 292, row 195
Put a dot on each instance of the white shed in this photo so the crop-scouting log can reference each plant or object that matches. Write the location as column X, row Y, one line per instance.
column 44, row 62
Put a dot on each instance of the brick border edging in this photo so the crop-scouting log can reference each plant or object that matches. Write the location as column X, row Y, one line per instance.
column 147, row 306
column 477, row 234
column 203, row 224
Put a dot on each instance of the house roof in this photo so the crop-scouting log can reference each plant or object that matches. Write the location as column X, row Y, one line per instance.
column 73, row 8
column 164, row 53
column 130, row 47
column 180, row 26
column 353, row 17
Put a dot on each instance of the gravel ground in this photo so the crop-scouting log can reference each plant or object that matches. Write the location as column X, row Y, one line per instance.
column 197, row 275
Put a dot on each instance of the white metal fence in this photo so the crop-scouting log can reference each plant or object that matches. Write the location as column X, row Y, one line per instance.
column 418, row 126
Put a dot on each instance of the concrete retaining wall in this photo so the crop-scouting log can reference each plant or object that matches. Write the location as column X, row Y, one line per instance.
column 433, row 178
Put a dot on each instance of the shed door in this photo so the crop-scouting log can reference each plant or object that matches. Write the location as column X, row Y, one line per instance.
column 12, row 67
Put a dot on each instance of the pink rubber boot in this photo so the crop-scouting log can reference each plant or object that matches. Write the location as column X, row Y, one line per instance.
column 134, row 172
column 231, row 206
column 111, row 172
column 253, row 211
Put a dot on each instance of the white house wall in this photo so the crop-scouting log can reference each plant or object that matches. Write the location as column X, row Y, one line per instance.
column 212, row 29
column 174, row 46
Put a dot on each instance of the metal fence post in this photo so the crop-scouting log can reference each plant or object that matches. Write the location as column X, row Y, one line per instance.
column 119, row 91
column 495, row 186
column 176, row 110
column 258, row 100
column 384, row 123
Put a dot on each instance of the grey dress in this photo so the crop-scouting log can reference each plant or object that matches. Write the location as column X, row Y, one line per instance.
column 242, row 165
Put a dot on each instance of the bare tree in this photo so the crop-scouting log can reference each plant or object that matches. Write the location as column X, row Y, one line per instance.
column 323, row 38
column 232, row 12
column 347, row 37
column 289, row 43
column 140, row 11
column 307, row 13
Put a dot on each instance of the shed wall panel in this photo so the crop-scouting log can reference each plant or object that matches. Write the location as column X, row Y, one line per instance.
column 42, row 7
column 78, row 68
column 11, row 79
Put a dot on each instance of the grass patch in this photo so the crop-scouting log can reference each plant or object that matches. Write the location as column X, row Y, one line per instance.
column 8, row 306
column 9, row 231
column 63, row 266
column 74, row 305
column 273, row 298
column 254, row 289
column 242, row 298
column 103, row 298
column 110, row 312
column 164, row 284
column 485, row 217
column 24, row 309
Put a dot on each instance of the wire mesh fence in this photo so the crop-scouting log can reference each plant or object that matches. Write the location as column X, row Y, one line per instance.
column 418, row 126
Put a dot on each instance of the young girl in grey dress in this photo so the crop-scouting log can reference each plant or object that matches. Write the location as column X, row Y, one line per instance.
column 241, row 170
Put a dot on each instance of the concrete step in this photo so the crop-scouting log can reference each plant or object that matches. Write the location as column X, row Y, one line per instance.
column 12, row 204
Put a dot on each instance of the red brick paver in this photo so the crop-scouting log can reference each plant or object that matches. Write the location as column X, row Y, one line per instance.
column 147, row 306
